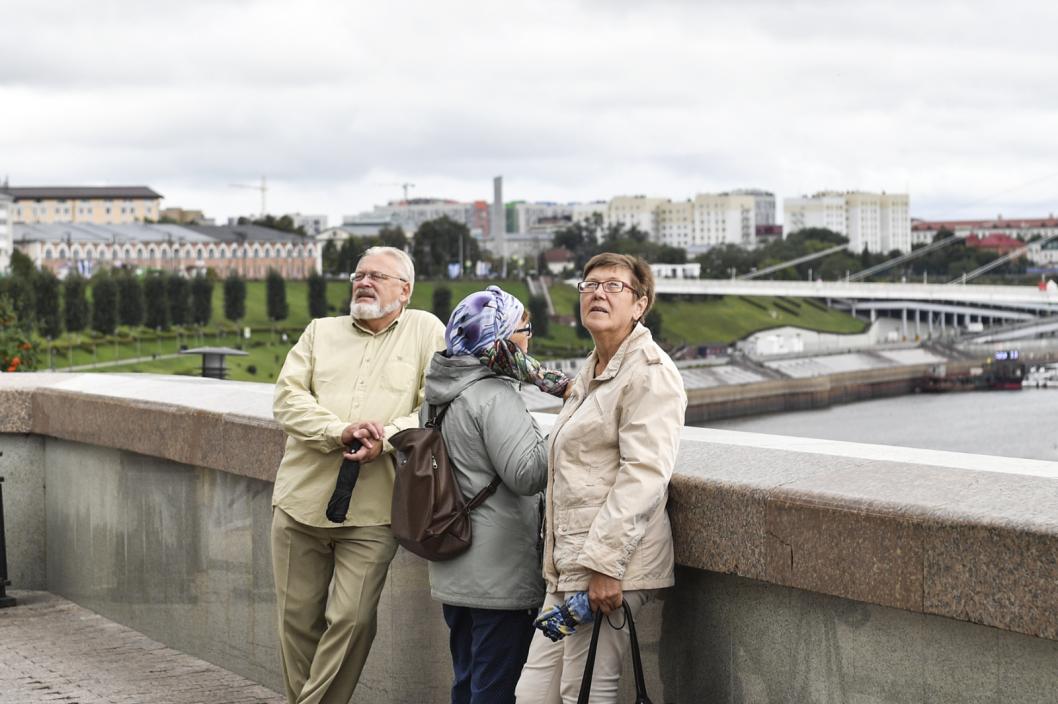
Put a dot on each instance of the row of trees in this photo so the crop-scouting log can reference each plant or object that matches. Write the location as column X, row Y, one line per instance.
column 43, row 304
column 438, row 244
column 341, row 258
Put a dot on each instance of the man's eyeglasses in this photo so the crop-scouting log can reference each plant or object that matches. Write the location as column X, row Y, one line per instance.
column 528, row 330
column 611, row 286
column 376, row 276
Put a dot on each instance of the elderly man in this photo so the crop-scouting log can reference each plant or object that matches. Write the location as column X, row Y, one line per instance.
column 358, row 376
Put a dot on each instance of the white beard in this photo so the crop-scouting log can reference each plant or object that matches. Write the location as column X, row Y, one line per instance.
column 372, row 310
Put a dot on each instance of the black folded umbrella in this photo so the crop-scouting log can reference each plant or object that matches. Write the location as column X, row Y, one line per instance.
column 348, row 473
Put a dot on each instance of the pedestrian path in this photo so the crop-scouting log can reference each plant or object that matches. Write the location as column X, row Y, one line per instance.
column 52, row 650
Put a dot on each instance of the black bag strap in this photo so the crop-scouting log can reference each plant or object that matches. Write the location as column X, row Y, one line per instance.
column 479, row 498
column 637, row 660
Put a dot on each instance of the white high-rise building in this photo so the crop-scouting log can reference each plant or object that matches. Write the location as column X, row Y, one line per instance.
column 712, row 219
column 895, row 222
column 723, row 218
column 6, row 232
column 763, row 204
column 821, row 210
column 313, row 224
column 635, row 211
column 875, row 222
column 586, row 211
column 676, row 224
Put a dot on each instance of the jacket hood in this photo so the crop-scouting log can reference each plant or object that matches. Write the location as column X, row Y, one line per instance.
column 447, row 377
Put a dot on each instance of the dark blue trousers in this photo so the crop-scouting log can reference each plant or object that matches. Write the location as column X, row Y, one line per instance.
column 489, row 647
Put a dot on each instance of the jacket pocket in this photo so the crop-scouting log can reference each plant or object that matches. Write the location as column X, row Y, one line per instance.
column 571, row 531
column 576, row 520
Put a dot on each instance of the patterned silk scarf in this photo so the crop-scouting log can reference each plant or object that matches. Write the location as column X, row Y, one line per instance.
column 506, row 358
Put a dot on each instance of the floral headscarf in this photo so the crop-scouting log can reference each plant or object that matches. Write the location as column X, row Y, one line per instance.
column 481, row 326
column 481, row 319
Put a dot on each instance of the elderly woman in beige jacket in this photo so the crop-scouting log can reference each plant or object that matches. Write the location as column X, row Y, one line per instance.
column 612, row 451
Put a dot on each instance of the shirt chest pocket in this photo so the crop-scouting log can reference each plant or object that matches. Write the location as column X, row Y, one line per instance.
column 399, row 375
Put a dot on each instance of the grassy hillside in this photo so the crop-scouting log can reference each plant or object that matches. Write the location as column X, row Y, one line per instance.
column 683, row 322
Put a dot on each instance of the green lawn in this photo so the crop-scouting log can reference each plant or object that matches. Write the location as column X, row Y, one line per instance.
column 683, row 322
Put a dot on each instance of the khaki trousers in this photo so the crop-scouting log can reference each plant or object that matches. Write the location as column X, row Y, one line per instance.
column 328, row 582
column 553, row 671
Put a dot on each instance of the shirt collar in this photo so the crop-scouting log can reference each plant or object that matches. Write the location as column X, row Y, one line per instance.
column 615, row 362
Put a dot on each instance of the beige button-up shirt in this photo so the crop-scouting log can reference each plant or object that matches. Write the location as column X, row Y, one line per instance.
column 338, row 373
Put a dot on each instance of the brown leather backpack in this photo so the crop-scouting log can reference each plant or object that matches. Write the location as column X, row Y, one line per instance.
column 429, row 516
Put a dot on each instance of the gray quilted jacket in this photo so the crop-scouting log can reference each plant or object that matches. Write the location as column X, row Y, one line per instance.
column 488, row 431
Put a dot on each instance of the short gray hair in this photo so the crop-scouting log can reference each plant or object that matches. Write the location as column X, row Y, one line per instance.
column 403, row 261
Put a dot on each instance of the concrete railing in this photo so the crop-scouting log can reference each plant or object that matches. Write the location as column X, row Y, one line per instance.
column 809, row 570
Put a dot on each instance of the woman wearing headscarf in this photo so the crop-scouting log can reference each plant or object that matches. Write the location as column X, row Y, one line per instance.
column 612, row 452
column 490, row 594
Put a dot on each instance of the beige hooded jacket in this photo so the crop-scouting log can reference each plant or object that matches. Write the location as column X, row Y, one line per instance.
column 611, row 455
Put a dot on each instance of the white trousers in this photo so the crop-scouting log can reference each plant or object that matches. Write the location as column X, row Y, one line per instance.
column 553, row 671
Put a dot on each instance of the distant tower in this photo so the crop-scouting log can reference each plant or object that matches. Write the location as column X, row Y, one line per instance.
column 498, row 222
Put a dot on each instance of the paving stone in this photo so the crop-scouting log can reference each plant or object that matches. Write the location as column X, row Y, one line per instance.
column 52, row 651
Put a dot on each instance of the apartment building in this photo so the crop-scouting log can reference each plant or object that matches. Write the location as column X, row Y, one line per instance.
column 538, row 217
column 6, row 233
column 875, row 222
column 763, row 204
column 412, row 213
column 587, row 211
column 640, row 212
column 714, row 219
column 312, row 224
column 97, row 205
column 676, row 224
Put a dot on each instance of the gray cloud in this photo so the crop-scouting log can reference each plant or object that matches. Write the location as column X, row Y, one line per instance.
column 950, row 100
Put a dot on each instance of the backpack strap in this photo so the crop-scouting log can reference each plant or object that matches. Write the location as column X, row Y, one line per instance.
column 485, row 493
column 433, row 420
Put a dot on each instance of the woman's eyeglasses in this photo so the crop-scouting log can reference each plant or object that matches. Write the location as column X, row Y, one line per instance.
column 528, row 330
column 611, row 286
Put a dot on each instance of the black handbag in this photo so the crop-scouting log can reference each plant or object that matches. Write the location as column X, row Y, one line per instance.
column 637, row 661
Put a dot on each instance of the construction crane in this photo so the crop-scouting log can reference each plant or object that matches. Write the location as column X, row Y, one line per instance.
column 263, row 188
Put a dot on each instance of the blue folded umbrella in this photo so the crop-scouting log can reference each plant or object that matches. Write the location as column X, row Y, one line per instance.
column 562, row 619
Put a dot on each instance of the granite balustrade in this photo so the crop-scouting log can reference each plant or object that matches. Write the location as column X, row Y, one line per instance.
column 147, row 498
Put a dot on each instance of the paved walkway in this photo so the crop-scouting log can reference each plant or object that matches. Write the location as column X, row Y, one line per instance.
column 52, row 650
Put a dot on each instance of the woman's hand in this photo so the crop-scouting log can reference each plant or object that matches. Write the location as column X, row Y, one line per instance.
column 604, row 592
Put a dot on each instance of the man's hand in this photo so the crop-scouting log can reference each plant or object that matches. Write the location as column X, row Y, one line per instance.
column 370, row 435
column 604, row 592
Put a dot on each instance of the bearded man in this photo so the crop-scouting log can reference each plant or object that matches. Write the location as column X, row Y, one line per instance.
column 351, row 377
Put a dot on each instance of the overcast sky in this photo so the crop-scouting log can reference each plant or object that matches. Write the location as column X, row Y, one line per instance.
column 337, row 102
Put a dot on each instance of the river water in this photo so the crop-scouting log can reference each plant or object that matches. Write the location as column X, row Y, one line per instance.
column 1006, row 423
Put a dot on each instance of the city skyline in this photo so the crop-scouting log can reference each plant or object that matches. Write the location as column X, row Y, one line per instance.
column 339, row 105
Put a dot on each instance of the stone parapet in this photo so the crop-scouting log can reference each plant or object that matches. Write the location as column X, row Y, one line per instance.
column 968, row 537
